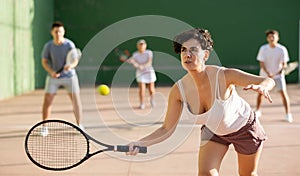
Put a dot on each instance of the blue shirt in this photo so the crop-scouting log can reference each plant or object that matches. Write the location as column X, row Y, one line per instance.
column 56, row 56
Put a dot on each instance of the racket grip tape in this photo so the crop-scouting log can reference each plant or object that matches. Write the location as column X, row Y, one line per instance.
column 125, row 148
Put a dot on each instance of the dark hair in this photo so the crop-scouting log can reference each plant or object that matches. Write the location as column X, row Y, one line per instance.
column 271, row 31
column 202, row 35
column 57, row 24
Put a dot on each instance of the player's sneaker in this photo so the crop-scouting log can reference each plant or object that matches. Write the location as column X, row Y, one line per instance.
column 258, row 113
column 289, row 117
column 44, row 131
column 81, row 127
column 142, row 106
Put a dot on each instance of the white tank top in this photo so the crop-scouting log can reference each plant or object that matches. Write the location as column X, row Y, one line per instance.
column 225, row 116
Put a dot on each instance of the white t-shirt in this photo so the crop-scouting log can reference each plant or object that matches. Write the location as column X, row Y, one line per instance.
column 273, row 58
column 142, row 58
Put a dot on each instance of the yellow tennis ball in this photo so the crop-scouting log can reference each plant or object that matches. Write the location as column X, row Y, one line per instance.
column 103, row 89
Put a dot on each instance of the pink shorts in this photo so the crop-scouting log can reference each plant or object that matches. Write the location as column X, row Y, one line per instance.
column 246, row 140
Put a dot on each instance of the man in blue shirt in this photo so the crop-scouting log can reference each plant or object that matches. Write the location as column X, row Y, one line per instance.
column 59, row 74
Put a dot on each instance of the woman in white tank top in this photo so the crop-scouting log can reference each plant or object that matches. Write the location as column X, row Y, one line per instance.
column 207, row 94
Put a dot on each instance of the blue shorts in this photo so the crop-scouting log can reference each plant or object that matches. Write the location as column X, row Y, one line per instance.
column 70, row 84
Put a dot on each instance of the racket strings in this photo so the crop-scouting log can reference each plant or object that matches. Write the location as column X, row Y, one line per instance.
column 57, row 145
column 73, row 55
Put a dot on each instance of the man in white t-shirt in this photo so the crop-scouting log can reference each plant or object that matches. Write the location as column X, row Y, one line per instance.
column 273, row 58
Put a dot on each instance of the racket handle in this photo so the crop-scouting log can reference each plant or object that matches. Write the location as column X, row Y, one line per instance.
column 60, row 70
column 125, row 148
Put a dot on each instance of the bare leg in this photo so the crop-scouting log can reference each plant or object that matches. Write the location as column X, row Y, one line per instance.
column 285, row 100
column 152, row 89
column 152, row 92
column 142, row 87
column 210, row 157
column 248, row 164
column 47, row 105
column 77, row 107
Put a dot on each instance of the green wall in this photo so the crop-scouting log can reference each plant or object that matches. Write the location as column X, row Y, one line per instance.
column 16, row 56
column 237, row 26
column 21, row 22
column 41, row 26
column 6, row 49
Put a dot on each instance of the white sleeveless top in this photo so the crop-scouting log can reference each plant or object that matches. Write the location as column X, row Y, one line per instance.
column 225, row 116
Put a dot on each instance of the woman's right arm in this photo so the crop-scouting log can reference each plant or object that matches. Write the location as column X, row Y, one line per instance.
column 169, row 125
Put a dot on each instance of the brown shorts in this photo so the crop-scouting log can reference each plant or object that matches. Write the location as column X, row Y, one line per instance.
column 246, row 140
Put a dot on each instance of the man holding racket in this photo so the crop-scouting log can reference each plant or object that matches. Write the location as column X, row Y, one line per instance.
column 59, row 74
column 207, row 95
column 273, row 58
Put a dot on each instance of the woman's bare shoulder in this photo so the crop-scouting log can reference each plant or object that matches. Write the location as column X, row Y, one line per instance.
column 175, row 92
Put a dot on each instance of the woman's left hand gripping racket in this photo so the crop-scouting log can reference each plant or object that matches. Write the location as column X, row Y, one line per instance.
column 59, row 145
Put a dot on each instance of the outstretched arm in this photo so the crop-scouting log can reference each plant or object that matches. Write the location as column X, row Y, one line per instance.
column 249, row 81
column 169, row 125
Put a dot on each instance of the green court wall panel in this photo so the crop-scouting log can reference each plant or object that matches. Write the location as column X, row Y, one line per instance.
column 41, row 26
column 24, row 62
column 24, row 13
column 24, row 28
column 6, row 11
column 6, row 49
column 6, row 62
column 237, row 27
column 23, row 56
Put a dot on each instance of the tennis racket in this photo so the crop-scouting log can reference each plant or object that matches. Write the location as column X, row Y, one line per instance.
column 59, row 145
column 122, row 55
column 290, row 67
column 73, row 55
